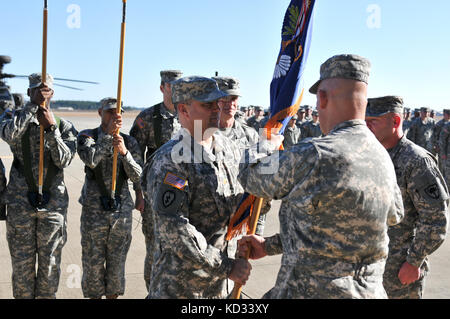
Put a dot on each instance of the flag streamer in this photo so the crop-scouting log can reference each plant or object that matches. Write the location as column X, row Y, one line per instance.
column 286, row 93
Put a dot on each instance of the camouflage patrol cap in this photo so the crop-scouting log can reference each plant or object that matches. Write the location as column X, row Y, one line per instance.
column 197, row 88
column 36, row 80
column 258, row 108
column 382, row 105
column 446, row 111
column 425, row 109
column 301, row 109
column 315, row 113
column 169, row 76
column 344, row 66
column 109, row 103
column 433, row 112
column 243, row 108
column 228, row 85
column 306, row 107
column 416, row 110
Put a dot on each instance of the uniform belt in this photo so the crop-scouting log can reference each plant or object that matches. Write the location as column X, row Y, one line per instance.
column 334, row 267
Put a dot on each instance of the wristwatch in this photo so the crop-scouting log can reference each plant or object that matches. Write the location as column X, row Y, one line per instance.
column 50, row 129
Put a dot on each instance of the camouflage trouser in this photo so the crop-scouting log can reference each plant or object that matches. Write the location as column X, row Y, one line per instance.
column 35, row 236
column 147, row 230
column 328, row 279
column 105, row 241
column 394, row 288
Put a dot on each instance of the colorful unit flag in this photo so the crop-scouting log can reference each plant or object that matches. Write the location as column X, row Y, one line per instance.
column 286, row 88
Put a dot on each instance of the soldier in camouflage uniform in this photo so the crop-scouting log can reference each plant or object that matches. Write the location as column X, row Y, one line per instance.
column 193, row 190
column 292, row 133
column 152, row 128
column 106, row 221
column 425, row 200
column 312, row 128
column 406, row 121
column 437, row 133
column 255, row 120
column 433, row 114
column 301, row 117
column 36, row 225
column 308, row 113
column 444, row 151
column 339, row 195
column 421, row 130
column 416, row 115
column 2, row 191
column 245, row 136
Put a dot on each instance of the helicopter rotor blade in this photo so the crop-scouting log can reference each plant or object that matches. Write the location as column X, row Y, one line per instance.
column 68, row 87
column 56, row 79
column 79, row 81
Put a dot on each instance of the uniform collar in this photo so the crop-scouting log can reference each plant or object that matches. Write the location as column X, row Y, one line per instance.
column 346, row 124
column 165, row 113
column 394, row 151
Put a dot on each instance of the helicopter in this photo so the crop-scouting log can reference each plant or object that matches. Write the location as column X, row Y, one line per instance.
column 16, row 100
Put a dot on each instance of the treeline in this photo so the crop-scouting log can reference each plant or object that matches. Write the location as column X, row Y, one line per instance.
column 82, row 105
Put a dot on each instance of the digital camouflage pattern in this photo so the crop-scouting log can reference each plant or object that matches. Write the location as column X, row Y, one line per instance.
column 245, row 136
column 339, row 194
column 229, row 85
column 169, row 76
column 344, row 66
column 105, row 235
column 406, row 126
column 292, row 135
column 424, row 227
column 256, row 122
column 420, row 133
column 192, row 201
column 311, row 129
column 2, row 191
column 143, row 131
column 435, row 139
column 30, row 231
column 383, row 105
column 35, row 80
column 444, row 151
column 196, row 88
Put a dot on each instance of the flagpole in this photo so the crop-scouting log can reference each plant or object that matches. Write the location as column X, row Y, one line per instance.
column 119, row 92
column 236, row 294
column 43, row 79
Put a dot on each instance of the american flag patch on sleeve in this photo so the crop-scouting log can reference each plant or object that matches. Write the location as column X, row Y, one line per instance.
column 175, row 181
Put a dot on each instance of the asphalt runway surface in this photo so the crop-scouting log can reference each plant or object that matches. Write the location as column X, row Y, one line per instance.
column 264, row 271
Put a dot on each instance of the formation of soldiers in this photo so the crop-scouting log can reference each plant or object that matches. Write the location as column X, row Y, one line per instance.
column 363, row 202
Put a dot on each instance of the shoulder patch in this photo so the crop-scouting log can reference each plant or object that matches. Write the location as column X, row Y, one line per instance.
column 175, row 181
column 169, row 199
column 140, row 122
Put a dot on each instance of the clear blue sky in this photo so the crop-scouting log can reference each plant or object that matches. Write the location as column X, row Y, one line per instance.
column 408, row 47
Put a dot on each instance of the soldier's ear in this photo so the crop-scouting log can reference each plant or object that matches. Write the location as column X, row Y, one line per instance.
column 161, row 88
column 396, row 121
column 29, row 92
column 182, row 110
column 100, row 112
column 323, row 99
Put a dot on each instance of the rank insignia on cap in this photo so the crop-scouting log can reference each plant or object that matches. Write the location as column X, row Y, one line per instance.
column 175, row 181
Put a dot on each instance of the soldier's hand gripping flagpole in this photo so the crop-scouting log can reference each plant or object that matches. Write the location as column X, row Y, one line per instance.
column 237, row 289
column 119, row 93
column 286, row 93
column 44, row 78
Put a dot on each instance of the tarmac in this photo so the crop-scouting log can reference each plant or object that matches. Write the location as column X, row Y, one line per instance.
column 264, row 271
